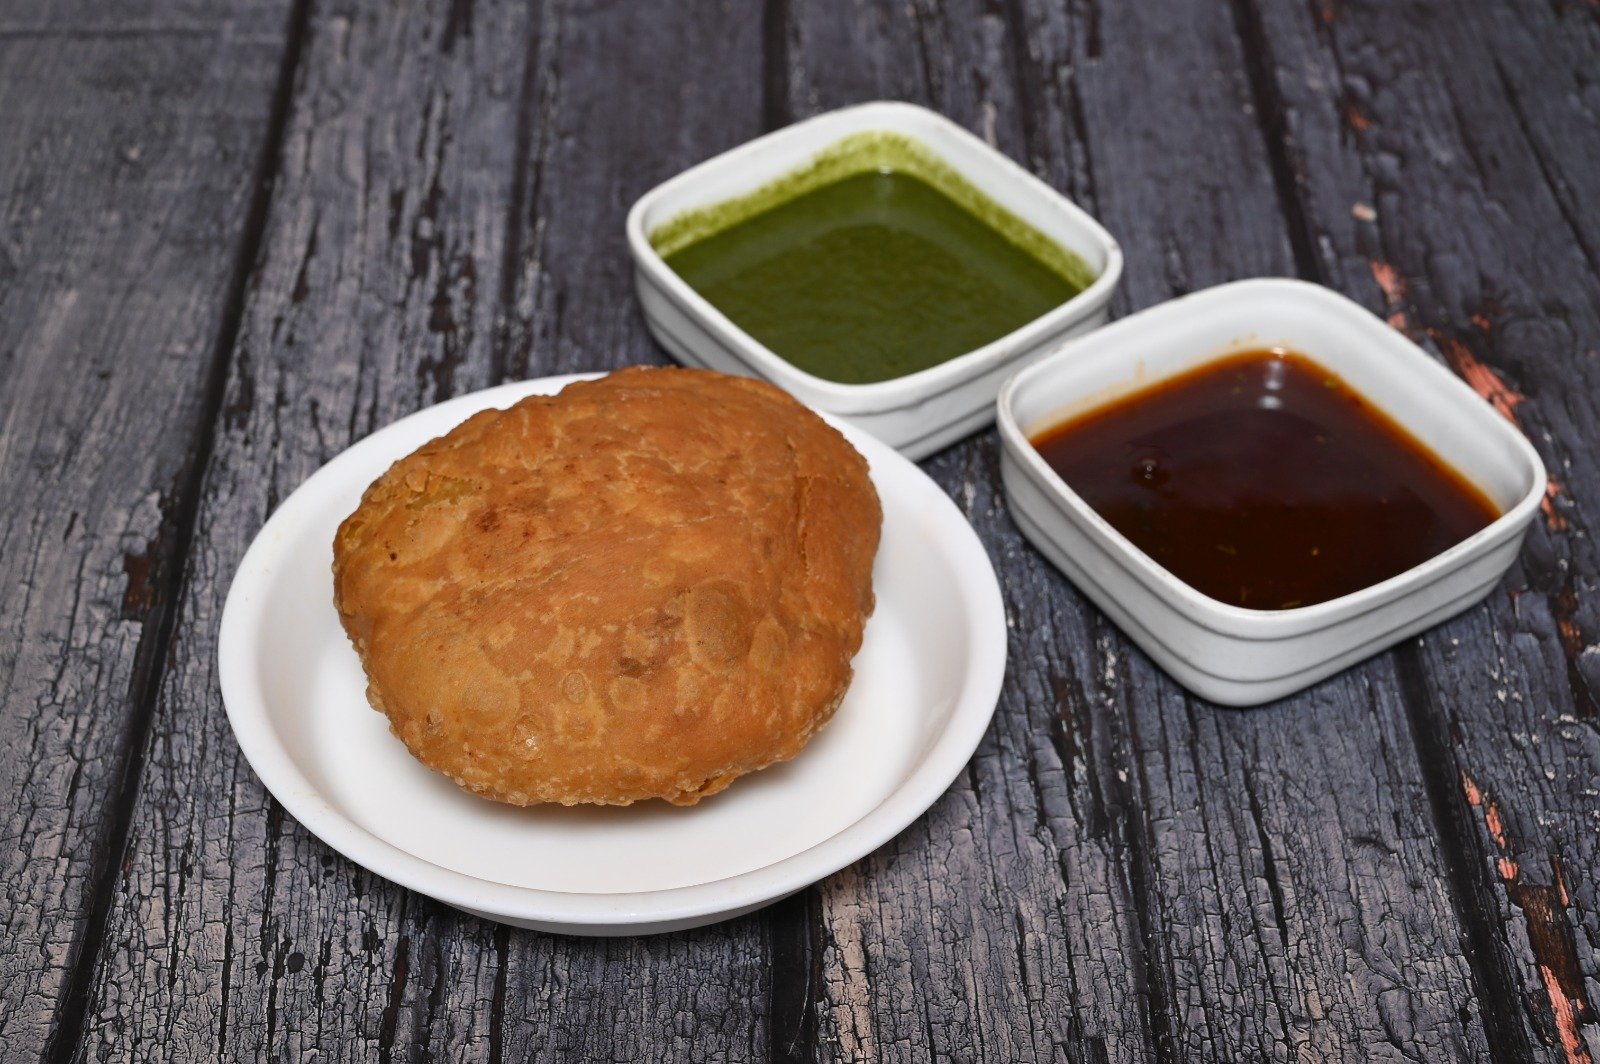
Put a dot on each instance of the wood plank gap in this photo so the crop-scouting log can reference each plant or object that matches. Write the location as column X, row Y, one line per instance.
column 794, row 934
column 776, row 108
column 1131, row 834
column 1466, row 865
column 497, row 1005
column 1135, row 848
column 1026, row 81
column 1026, row 88
column 501, row 362
column 170, row 550
column 1269, row 106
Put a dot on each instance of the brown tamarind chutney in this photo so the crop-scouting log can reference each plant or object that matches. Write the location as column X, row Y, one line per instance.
column 1264, row 481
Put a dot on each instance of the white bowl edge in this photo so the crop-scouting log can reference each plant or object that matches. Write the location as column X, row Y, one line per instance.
column 1383, row 602
column 1099, row 249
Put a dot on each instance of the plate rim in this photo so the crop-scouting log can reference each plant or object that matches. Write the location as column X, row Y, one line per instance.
column 622, row 912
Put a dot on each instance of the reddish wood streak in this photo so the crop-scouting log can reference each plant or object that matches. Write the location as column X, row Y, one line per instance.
column 1565, row 609
column 1550, row 934
column 1388, row 278
column 1485, row 381
column 1554, row 520
column 1566, row 1019
column 1491, row 820
column 1571, row 636
column 1394, row 292
column 140, row 594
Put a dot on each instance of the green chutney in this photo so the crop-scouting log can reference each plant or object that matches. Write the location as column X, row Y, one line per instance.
column 875, row 261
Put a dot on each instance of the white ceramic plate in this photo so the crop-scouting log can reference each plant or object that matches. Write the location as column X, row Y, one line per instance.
column 927, row 679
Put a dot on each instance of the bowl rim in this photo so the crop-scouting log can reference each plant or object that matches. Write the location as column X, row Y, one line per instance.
column 894, row 116
column 1199, row 607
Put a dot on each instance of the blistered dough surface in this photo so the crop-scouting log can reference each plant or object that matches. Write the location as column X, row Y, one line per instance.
column 645, row 586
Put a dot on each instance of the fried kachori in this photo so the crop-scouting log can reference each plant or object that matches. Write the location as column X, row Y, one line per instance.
column 644, row 586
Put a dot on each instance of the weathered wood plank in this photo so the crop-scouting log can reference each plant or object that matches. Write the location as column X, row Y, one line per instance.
column 627, row 95
column 234, row 934
column 1135, row 873
column 1438, row 169
column 1124, row 873
column 1002, row 925
column 448, row 207
column 113, row 289
column 623, row 100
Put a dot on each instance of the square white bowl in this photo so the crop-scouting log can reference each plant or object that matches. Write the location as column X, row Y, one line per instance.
column 920, row 412
column 1226, row 653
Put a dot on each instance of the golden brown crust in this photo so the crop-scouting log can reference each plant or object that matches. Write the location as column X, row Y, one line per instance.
column 645, row 586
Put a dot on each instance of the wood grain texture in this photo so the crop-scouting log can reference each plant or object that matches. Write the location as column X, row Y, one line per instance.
column 233, row 933
column 446, row 181
column 1140, row 875
column 1398, row 865
column 623, row 100
column 112, row 290
column 1435, row 192
column 1002, row 925
column 1299, row 898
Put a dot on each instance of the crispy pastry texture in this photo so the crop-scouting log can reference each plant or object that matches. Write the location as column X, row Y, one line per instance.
column 643, row 587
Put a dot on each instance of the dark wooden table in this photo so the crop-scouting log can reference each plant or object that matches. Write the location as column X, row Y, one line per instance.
column 236, row 236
